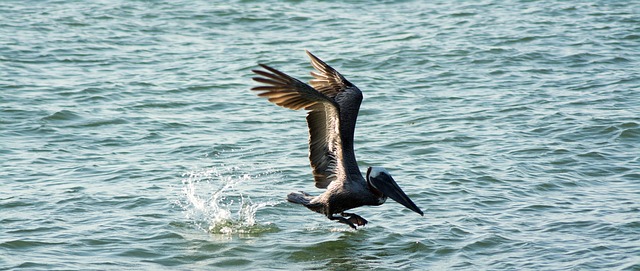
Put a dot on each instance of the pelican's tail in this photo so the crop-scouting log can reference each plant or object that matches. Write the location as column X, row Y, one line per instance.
column 300, row 198
column 306, row 200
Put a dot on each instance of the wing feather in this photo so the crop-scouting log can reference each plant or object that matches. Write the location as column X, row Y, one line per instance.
column 323, row 120
column 330, row 100
column 327, row 80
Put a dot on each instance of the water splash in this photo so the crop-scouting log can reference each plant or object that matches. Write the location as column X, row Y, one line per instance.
column 211, row 200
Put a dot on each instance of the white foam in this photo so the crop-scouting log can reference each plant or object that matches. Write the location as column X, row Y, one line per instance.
column 212, row 203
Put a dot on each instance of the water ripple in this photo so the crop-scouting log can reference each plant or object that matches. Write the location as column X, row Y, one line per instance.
column 130, row 139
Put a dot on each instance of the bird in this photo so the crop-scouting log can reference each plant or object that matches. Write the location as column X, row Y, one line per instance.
column 332, row 104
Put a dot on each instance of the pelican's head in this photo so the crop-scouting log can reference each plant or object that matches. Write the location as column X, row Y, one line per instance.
column 380, row 181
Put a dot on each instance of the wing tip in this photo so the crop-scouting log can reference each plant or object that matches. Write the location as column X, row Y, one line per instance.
column 314, row 59
column 309, row 53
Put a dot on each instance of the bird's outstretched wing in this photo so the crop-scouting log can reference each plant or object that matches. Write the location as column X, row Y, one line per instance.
column 331, row 83
column 323, row 119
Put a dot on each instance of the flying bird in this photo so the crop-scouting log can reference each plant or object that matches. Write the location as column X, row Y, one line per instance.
column 332, row 103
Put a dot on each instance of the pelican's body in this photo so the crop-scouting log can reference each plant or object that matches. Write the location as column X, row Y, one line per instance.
column 333, row 104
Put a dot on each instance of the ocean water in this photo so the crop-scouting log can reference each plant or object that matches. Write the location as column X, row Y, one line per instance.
column 129, row 138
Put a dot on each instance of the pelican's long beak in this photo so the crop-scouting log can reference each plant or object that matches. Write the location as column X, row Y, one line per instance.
column 388, row 186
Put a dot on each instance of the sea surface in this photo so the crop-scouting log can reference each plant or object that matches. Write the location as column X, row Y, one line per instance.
column 130, row 139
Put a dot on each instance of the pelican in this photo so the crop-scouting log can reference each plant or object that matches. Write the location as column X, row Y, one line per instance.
column 332, row 103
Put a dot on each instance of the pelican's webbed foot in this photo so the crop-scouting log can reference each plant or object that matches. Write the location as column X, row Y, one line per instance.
column 355, row 219
column 350, row 219
column 343, row 220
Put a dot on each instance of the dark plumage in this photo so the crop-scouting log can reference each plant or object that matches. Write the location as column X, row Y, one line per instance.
column 332, row 103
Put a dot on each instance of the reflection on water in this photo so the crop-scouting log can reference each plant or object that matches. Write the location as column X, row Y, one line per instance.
column 342, row 253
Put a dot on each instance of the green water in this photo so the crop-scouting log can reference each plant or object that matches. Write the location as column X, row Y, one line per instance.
column 129, row 139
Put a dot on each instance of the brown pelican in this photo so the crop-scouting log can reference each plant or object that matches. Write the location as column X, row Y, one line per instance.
column 333, row 104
